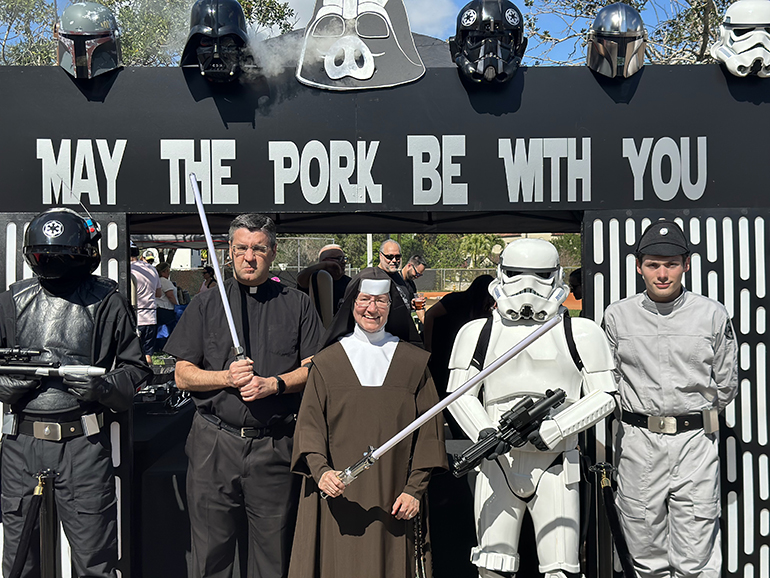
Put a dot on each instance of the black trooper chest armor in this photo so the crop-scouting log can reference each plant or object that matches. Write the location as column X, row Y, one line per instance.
column 64, row 326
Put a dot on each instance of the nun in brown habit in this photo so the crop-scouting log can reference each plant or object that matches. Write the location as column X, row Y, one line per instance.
column 365, row 386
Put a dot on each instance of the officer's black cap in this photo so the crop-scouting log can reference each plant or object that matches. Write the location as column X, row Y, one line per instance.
column 664, row 238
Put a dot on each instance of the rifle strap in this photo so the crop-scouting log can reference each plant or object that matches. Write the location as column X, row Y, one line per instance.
column 482, row 345
column 571, row 341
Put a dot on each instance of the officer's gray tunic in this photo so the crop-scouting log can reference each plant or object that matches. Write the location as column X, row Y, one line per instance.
column 671, row 359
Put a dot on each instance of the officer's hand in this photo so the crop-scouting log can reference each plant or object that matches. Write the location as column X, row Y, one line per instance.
column 259, row 387
column 87, row 389
column 330, row 484
column 502, row 447
column 13, row 388
column 240, row 373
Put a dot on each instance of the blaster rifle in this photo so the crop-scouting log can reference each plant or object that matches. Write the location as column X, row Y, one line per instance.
column 19, row 361
column 514, row 429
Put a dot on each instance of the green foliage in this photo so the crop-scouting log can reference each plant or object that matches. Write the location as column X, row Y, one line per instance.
column 569, row 247
column 478, row 248
column 26, row 33
column 268, row 14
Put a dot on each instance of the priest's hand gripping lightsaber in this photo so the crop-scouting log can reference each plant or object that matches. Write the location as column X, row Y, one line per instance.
column 372, row 455
column 237, row 349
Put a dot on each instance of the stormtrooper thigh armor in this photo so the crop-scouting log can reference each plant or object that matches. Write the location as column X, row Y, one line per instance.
column 545, row 482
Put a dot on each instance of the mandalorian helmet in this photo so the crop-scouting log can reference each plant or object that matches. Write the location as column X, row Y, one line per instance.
column 60, row 243
column 218, row 42
column 529, row 282
column 744, row 38
column 616, row 41
column 490, row 42
column 89, row 40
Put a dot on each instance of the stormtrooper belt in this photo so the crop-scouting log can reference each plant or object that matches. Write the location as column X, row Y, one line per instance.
column 87, row 425
column 665, row 425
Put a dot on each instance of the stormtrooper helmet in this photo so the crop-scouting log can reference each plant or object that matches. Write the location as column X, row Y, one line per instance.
column 530, row 283
column 88, row 40
column 616, row 41
column 744, row 38
column 490, row 42
column 218, row 40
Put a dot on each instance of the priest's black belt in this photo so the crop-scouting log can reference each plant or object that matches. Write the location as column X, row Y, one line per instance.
column 54, row 430
column 664, row 424
column 250, row 432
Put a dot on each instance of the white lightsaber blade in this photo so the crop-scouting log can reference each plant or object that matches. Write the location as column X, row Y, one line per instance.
column 213, row 256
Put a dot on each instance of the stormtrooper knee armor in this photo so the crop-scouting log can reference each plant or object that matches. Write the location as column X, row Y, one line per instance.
column 529, row 290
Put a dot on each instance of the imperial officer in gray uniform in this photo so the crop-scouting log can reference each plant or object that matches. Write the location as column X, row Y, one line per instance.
column 57, row 423
column 676, row 367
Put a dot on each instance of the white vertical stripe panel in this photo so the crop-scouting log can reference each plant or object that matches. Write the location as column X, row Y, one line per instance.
column 115, row 441
column 696, row 274
column 727, row 265
column 746, row 403
column 598, row 230
column 761, row 320
column 601, row 441
column 599, row 304
column 66, row 554
column 764, row 523
column 761, row 388
column 631, row 233
column 614, row 257
column 731, row 459
column 112, row 236
column 118, row 492
column 764, row 480
column 10, row 255
column 730, row 414
column 732, row 532
column 695, row 231
column 745, row 311
column 759, row 246
column 711, row 239
column 26, row 271
column 743, row 247
column 748, row 503
column 98, row 270
column 713, row 286
column 112, row 269
column 630, row 275
column 745, row 356
column 748, row 571
column 764, row 558
column 643, row 226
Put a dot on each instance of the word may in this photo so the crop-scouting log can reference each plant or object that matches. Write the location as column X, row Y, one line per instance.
column 335, row 168
column 679, row 161
column 65, row 181
column 209, row 170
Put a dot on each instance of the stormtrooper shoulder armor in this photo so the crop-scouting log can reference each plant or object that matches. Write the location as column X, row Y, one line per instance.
column 465, row 344
column 592, row 345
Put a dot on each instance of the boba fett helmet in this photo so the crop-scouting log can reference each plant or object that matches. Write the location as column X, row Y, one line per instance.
column 89, row 40
column 616, row 41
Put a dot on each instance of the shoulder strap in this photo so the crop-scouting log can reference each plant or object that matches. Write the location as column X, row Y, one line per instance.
column 571, row 341
column 482, row 345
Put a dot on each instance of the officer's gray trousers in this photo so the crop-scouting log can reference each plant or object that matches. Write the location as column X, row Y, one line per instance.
column 240, row 492
column 668, row 502
column 85, row 499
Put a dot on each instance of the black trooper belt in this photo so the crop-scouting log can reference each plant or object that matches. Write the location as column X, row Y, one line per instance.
column 256, row 433
column 665, row 425
column 87, row 424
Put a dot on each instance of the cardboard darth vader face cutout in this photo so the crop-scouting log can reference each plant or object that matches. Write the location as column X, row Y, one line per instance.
column 358, row 44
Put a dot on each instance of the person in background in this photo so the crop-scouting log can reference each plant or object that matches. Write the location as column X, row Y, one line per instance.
column 390, row 261
column 147, row 283
column 167, row 300
column 331, row 258
column 414, row 269
column 209, row 279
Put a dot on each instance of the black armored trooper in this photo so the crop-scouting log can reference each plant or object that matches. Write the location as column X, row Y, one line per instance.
column 57, row 423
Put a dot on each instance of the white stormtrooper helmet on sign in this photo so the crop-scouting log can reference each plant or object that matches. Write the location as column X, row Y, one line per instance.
column 529, row 282
column 744, row 38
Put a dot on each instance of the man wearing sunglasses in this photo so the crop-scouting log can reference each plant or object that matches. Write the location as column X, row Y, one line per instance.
column 390, row 262
column 414, row 269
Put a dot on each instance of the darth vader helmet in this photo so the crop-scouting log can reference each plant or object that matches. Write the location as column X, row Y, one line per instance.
column 744, row 38
column 88, row 40
column 59, row 243
column 616, row 41
column 218, row 42
column 530, row 281
column 490, row 42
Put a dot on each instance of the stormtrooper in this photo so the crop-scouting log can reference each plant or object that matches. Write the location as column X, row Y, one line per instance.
column 616, row 42
column 88, row 40
column 543, row 475
column 58, row 423
column 744, row 39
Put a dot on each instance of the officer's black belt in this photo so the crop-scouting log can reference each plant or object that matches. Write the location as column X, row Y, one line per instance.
column 664, row 424
column 55, row 430
column 249, row 432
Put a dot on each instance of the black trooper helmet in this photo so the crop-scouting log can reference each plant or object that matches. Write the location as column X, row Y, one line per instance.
column 490, row 42
column 217, row 39
column 59, row 243
column 88, row 40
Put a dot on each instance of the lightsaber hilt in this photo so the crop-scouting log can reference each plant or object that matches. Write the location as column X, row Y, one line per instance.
column 352, row 472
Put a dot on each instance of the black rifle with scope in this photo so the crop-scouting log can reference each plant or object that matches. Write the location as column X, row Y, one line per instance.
column 516, row 425
column 19, row 361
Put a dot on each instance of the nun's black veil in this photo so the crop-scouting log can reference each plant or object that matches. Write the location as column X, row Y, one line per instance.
column 399, row 322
